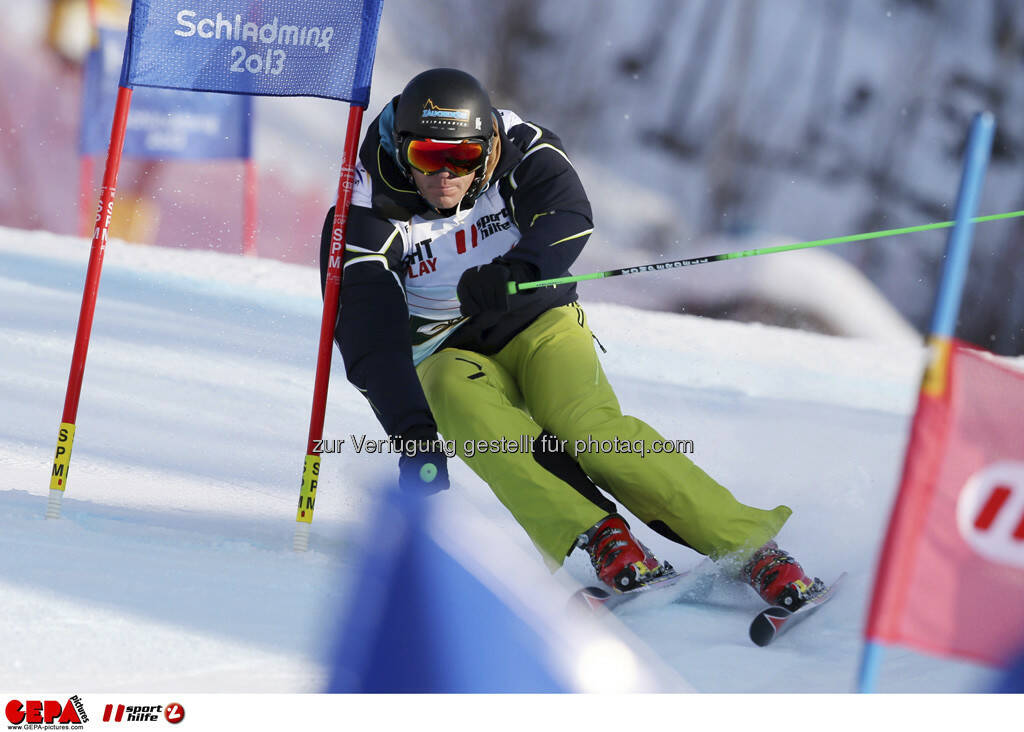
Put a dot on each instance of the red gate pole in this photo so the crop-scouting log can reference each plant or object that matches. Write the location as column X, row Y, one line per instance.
column 66, row 433
column 311, row 469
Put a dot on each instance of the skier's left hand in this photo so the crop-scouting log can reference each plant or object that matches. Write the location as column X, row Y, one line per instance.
column 484, row 289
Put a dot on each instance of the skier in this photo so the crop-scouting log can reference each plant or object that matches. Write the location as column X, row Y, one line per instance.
column 453, row 201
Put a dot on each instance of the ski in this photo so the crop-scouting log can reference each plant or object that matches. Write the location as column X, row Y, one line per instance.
column 773, row 621
column 697, row 584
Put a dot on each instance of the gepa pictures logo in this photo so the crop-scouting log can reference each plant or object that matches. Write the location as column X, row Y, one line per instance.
column 46, row 713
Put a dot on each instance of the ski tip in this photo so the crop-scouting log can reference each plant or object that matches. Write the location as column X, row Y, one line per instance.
column 766, row 625
column 772, row 621
column 589, row 598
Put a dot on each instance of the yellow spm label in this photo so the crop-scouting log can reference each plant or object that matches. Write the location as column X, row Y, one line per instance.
column 307, row 493
column 62, row 457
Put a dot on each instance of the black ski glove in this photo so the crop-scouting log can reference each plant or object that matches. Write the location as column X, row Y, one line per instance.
column 423, row 467
column 485, row 288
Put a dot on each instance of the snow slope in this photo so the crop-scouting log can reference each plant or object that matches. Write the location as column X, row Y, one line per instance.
column 172, row 568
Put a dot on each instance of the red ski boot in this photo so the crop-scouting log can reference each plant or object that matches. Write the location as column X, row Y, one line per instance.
column 621, row 561
column 779, row 579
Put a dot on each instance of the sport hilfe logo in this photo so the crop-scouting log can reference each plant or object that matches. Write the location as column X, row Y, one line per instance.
column 172, row 713
column 132, row 713
column 36, row 711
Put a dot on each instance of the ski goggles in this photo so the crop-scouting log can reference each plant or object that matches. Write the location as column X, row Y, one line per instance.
column 433, row 156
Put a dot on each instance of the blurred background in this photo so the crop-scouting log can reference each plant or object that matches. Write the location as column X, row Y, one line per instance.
column 698, row 127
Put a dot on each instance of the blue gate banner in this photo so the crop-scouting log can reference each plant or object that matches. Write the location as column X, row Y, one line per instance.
column 421, row 622
column 163, row 124
column 315, row 48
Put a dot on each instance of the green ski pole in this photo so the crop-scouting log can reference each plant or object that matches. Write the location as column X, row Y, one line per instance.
column 514, row 287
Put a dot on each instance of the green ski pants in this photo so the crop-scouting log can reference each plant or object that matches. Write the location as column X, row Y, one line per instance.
column 548, row 377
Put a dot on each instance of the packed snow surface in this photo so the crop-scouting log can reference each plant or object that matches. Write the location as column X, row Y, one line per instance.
column 172, row 566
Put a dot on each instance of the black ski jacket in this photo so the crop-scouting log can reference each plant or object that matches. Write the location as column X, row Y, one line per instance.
column 375, row 332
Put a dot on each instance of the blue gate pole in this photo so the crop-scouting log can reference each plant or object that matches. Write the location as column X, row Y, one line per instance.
column 947, row 308
column 958, row 249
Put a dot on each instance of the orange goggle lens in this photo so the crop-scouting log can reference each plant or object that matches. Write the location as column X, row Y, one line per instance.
column 432, row 156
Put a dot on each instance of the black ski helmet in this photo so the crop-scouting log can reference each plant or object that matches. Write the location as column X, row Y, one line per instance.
column 444, row 104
